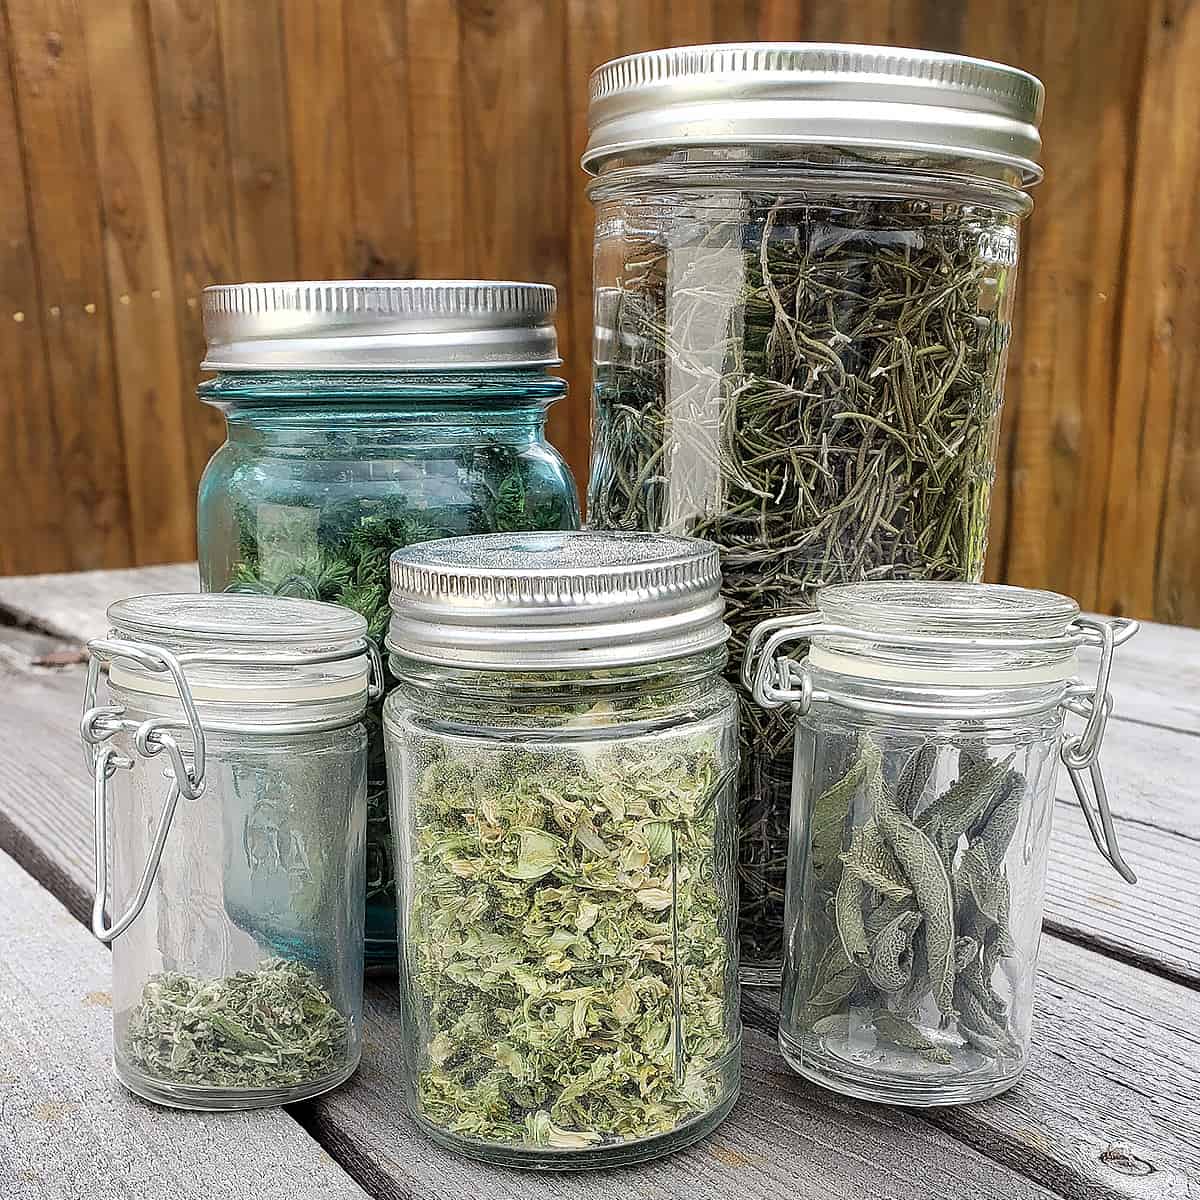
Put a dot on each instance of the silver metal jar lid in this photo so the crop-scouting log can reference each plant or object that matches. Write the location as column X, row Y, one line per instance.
column 379, row 325
column 908, row 102
column 545, row 601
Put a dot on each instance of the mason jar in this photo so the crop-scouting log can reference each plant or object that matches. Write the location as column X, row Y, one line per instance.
column 562, row 753
column 363, row 416
column 229, row 765
column 929, row 725
column 805, row 258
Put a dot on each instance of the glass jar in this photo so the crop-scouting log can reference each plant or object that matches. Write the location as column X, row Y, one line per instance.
column 562, row 752
column 805, row 259
column 363, row 417
column 931, row 722
column 237, row 858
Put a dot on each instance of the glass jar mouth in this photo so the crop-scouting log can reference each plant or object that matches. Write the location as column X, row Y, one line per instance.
column 823, row 181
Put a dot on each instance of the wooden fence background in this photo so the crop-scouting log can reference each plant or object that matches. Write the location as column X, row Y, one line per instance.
column 149, row 147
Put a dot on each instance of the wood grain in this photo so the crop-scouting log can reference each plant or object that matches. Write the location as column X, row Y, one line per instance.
column 381, row 162
column 65, row 1120
column 436, row 114
column 256, row 128
column 1156, row 336
column 33, row 532
column 49, row 66
column 515, row 129
column 141, row 286
column 315, row 44
column 195, row 153
column 1104, row 1111
column 426, row 138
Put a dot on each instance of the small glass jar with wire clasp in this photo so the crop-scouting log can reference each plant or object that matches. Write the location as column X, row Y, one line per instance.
column 229, row 763
column 930, row 719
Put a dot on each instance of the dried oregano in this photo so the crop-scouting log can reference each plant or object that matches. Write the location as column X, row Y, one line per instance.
column 273, row 1027
column 563, row 902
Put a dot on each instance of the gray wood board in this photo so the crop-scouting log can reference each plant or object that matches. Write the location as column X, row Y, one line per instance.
column 68, row 1131
column 1082, row 1128
column 73, row 605
column 1156, row 676
column 785, row 1137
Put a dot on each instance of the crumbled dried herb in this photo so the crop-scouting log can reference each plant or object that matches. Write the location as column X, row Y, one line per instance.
column 914, row 910
column 567, row 938
column 815, row 388
column 273, row 1027
column 339, row 551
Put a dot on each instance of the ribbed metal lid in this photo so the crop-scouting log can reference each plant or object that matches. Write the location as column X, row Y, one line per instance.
column 912, row 102
column 379, row 325
column 546, row 601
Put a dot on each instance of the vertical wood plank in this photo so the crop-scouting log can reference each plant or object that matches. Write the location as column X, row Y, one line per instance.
column 436, row 116
column 383, row 245
column 50, row 71
column 315, row 44
column 141, row 290
column 1149, row 493
column 694, row 23
column 33, row 536
column 195, row 156
column 1062, row 366
column 256, row 126
column 517, row 149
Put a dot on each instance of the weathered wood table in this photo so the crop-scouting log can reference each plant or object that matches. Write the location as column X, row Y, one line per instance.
column 1110, row 1106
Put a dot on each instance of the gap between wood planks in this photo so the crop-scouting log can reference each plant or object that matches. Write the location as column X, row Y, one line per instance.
column 373, row 1175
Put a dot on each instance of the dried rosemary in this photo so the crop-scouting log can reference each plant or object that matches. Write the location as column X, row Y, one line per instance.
column 273, row 1027
column 907, row 912
column 566, row 940
column 815, row 388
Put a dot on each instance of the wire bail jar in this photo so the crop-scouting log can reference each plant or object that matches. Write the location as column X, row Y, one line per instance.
column 363, row 415
column 562, row 752
column 229, row 762
column 929, row 724
column 805, row 259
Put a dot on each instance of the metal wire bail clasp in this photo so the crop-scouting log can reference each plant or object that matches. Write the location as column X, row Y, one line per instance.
column 772, row 679
column 98, row 724
column 1081, row 752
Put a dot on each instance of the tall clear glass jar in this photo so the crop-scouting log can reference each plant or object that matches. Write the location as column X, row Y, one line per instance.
column 562, row 754
column 364, row 416
column 930, row 726
column 805, row 258
column 229, row 762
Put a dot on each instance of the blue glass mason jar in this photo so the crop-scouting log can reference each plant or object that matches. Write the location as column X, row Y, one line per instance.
column 363, row 417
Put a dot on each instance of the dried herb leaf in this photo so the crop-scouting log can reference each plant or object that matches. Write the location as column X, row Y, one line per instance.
column 273, row 1027
column 562, row 905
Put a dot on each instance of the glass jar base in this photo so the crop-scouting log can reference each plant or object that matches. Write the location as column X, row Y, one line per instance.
column 593, row 1158
column 214, row 1099
column 944, row 1085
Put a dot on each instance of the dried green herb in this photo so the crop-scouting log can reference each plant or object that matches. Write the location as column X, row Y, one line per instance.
column 815, row 388
column 567, row 938
column 272, row 1027
column 339, row 552
column 918, row 902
